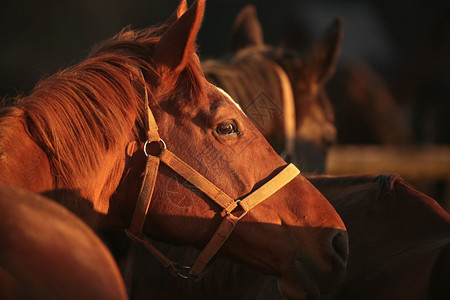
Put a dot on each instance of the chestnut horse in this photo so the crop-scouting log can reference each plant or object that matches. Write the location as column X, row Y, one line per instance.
column 49, row 253
column 282, row 91
column 352, row 196
column 79, row 138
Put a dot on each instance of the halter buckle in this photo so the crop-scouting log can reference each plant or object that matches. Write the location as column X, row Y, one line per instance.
column 227, row 211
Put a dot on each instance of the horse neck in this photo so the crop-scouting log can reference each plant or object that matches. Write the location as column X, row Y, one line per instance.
column 24, row 163
column 90, row 197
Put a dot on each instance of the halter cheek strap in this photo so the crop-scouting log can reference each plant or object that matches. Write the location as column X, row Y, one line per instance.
column 231, row 215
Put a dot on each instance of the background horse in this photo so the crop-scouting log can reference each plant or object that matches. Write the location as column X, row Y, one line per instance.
column 399, row 238
column 399, row 242
column 79, row 137
column 49, row 253
column 365, row 109
column 282, row 91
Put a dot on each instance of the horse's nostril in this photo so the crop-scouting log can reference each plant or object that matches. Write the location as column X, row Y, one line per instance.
column 340, row 247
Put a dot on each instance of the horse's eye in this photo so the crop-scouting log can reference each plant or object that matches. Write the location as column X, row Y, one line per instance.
column 227, row 128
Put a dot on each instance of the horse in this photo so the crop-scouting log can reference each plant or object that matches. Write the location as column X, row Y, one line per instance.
column 366, row 110
column 399, row 249
column 353, row 197
column 400, row 238
column 49, row 253
column 134, row 137
column 282, row 91
column 258, row 77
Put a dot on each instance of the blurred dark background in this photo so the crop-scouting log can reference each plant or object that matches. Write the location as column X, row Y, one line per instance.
column 392, row 85
column 406, row 43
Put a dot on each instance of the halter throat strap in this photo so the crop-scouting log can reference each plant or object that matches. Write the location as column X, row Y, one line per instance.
column 232, row 210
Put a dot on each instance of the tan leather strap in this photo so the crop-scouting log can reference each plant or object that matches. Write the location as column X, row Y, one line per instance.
column 230, row 221
column 222, row 233
column 164, row 260
column 200, row 182
column 150, row 173
column 270, row 187
column 152, row 127
column 145, row 195
column 218, row 196
column 288, row 110
column 208, row 188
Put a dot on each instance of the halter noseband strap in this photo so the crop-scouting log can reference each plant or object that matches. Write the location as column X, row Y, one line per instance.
column 233, row 210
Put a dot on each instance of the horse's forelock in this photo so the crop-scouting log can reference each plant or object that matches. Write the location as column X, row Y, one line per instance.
column 182, row 88
column 181, row 94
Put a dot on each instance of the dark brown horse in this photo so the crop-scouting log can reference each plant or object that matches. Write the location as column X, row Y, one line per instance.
column 399, row 238
column 399, row 249
column 79, row 138
column 282, row 91
column 46, row 252
column 365, row 108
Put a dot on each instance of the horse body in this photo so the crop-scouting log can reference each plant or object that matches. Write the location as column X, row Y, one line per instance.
column 49, row 253
column 399, row 237
column 92, row 120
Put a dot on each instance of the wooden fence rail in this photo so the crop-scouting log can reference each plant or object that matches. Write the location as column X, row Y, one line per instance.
column 415, row 163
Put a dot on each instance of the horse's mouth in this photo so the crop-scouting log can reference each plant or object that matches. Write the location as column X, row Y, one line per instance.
column 299, row 283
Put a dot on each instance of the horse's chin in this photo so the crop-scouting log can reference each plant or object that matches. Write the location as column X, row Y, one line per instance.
column 299, row 284
column 292, row 289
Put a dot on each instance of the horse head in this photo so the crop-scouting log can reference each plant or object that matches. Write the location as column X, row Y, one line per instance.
column 298, row 101
column 294, row 233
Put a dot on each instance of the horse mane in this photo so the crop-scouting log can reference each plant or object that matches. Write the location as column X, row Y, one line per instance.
column 386, row 184
column 79, row 113
column 244, row 75
column 243, row 78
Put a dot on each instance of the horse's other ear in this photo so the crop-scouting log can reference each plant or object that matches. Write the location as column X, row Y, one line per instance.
column 181, row 9
column 322, row 59
column 247, row 30
column 177, row 44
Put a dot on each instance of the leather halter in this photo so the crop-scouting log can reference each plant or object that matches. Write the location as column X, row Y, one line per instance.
column 289, row 118
column 233, row 210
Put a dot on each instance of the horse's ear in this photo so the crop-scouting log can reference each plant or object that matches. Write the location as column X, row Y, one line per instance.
column 177, row 44
column 322, row 59
column 181, row 9
column 247, row 30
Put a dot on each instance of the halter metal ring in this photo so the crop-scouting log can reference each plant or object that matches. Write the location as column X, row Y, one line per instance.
column 185, row 269
column 160, row 140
